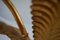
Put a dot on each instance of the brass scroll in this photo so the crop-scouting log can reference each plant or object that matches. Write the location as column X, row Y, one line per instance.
column 15, row 13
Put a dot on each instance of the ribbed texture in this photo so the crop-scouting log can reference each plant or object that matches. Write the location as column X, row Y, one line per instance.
column 44, row 15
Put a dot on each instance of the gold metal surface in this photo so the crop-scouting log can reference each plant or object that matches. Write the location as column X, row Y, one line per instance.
column 17, row 17
column 46, row 19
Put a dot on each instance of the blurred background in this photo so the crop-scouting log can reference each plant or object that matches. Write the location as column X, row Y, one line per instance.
column 23, row 7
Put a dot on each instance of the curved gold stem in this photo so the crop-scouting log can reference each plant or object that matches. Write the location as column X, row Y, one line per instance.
column 15, row 13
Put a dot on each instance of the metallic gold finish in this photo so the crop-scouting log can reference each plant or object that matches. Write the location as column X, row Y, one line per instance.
column 46, row 21
column 45, row 15
column 17, row 18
